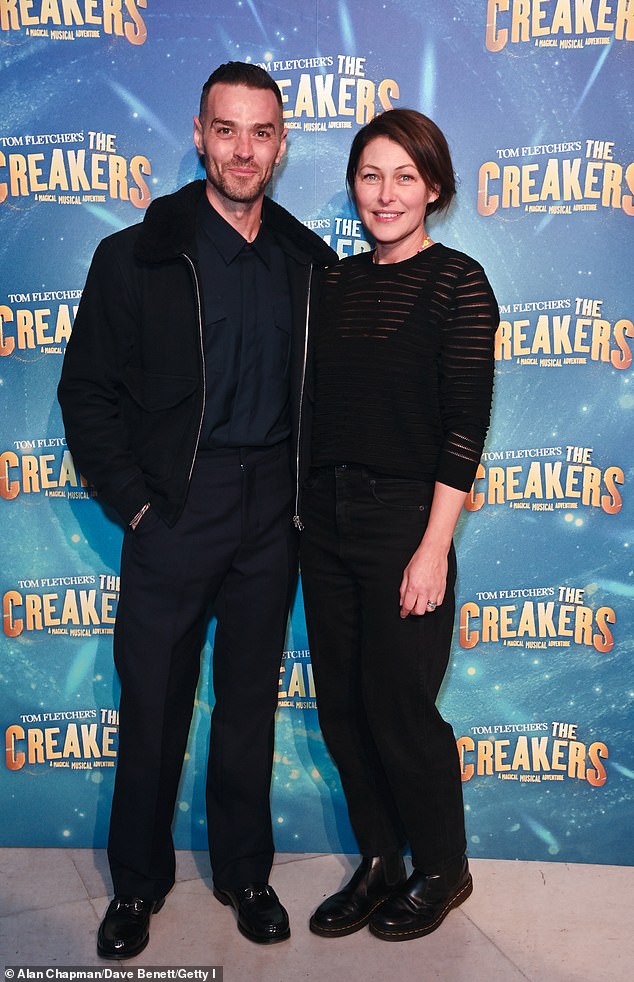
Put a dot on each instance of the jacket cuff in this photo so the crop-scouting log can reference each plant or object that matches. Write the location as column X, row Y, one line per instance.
column 129, row 499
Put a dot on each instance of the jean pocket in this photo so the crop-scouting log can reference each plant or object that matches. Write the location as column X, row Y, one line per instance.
column 401, row 493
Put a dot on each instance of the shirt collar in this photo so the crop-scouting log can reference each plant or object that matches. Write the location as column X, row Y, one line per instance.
column 226, row 239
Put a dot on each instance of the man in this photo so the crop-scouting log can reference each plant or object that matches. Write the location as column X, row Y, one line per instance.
column 181, row 393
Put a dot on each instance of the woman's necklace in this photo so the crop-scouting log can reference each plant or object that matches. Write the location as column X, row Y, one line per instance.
column 426, row 244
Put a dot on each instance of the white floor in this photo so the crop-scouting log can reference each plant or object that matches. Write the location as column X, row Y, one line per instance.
column 546, row 922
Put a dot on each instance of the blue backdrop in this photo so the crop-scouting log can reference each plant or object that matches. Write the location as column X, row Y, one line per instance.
column 536, row 101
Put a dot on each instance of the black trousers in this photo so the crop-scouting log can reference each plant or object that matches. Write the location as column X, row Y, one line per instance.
column 377, row 676
column 234, row 549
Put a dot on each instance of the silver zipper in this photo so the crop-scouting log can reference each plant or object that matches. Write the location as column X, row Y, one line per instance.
column 202, row 359
column 297, row 522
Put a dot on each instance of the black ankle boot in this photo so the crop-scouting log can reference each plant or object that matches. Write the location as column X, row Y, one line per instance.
column 349, row 910
column 421, row 905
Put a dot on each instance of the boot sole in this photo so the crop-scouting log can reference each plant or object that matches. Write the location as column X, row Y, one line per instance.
column 456, row 900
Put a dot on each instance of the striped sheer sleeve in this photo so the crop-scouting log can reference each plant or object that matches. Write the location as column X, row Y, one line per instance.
column 466, row 369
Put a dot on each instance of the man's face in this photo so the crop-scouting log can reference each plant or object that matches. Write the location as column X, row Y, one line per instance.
column 241, row 139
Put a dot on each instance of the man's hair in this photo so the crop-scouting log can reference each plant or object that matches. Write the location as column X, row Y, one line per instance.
column 421, row 139
column 240, row 73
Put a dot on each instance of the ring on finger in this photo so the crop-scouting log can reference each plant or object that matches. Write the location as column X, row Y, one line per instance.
column 431, row 605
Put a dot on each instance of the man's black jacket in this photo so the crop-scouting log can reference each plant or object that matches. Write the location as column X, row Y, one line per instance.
column 132, row 389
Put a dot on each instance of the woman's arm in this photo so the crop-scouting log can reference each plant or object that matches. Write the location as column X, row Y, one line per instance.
column 425, row 576
column 466, row 383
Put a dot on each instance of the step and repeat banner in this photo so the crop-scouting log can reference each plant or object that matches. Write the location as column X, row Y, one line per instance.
column 536, row 99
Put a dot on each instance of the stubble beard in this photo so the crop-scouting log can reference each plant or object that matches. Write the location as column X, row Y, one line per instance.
column 240, row 190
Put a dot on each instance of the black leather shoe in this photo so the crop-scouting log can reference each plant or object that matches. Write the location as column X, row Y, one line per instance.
column 423, row 903
column 261, row 917
column 125, row 930
column 349, row 910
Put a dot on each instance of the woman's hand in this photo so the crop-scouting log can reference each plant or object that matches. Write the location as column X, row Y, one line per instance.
column 424, row 580
column 425, row 576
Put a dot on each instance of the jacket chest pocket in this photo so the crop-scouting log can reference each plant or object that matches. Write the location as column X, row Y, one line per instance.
column 154, row 391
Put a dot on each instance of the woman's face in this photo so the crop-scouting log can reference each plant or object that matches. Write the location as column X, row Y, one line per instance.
column 391, row 197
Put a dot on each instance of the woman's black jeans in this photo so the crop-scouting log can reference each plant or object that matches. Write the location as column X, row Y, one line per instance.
column 377, row 676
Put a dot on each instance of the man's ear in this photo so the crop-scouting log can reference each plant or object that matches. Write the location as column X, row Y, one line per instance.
column 282, row 149
column 198, row 136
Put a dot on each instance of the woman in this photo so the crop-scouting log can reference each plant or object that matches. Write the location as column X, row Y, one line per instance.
column 403, row 374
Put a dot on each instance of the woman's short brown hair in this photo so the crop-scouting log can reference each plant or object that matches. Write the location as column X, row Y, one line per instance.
column 421, row 139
